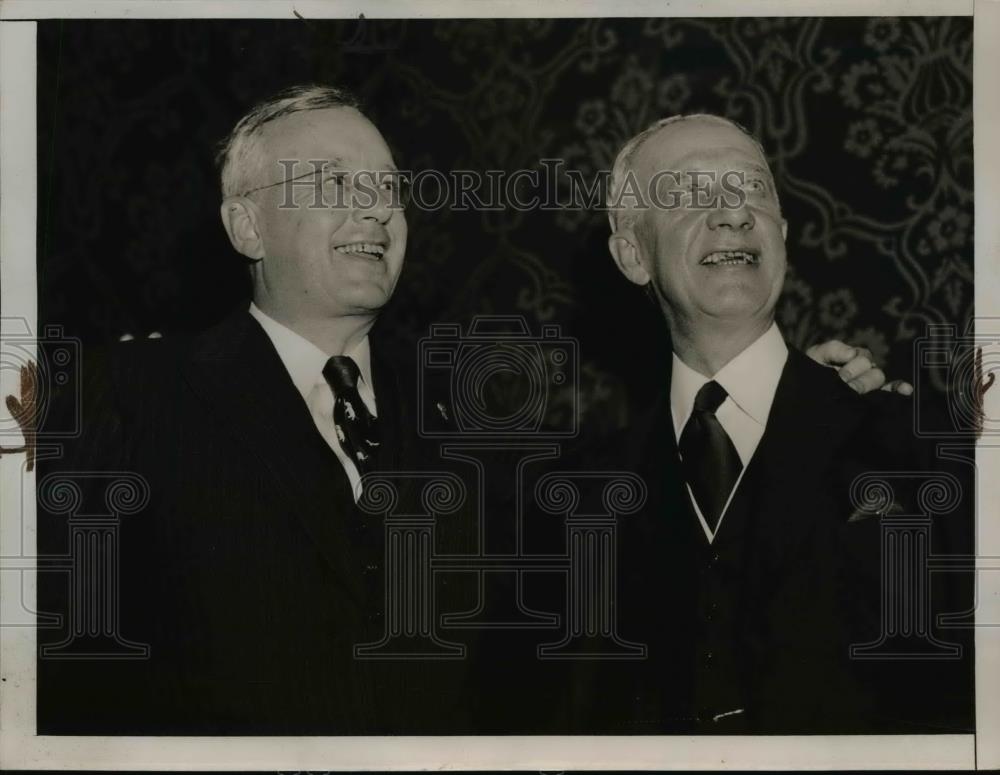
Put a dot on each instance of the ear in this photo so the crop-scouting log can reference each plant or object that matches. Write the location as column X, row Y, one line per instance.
column 624, row 247
column 239, row 216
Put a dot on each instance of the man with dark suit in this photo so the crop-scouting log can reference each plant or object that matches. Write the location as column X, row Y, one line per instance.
column 252, row 573
column 744, row 575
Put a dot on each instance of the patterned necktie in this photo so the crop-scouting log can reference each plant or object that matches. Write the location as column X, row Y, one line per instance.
column 710, row 461
column 357, row 429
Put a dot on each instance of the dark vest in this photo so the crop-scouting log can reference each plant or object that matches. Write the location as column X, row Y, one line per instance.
column 751, row 621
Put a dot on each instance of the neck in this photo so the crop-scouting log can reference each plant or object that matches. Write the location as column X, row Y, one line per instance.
column 707, row 347
column 332, row 335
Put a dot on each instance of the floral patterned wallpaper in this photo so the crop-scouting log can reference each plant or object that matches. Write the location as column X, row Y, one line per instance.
column 867, row 123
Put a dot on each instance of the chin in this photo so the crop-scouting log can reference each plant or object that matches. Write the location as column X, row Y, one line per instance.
column 736, row 312
column 367, row 299
column 735, row 301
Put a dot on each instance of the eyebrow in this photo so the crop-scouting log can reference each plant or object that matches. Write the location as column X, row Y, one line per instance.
column 297, row 167
column 691, row 160
column 334, row 162
column 761, row 169
column 338, row 165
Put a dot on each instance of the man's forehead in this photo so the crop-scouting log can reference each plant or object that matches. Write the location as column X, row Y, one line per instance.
column 339, row 136
column 699, row 144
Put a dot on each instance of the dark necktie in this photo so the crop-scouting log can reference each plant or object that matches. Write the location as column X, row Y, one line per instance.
column 710, row 461
column 357, row 429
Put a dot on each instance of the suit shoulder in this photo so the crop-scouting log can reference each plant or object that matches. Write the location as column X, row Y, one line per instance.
column 816, row 375
column 142, row 358
column 886, row 402
column 880, row 421
column 817, row 386
column 134, row 373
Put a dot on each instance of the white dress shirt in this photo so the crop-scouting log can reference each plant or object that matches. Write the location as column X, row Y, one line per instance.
column 304, row 362
column 750, row 379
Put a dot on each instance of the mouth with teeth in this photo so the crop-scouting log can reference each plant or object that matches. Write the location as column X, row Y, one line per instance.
column 370, row 251
column 731, row 258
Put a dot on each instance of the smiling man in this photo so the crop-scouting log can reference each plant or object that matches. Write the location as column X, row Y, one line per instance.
column 252, row 574
column 716, row 266
column 741, row 574
column 322, row 265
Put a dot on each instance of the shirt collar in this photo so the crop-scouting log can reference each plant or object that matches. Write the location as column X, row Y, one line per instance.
column 750, row 379
column 303, row 360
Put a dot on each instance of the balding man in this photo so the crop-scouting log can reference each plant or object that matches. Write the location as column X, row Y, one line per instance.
column 739, row 574
column 252, row 573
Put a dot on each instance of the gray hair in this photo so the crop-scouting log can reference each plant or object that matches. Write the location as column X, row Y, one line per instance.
column 623, row 161
column 240, row 158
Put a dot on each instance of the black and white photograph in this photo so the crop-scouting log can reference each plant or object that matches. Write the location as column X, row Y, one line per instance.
column 497, row 386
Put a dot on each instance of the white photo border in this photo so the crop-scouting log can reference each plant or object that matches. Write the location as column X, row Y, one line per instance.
column 21, row 748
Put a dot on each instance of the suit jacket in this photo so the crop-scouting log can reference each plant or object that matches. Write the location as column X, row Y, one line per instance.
column 750, row 634
column 251, row 574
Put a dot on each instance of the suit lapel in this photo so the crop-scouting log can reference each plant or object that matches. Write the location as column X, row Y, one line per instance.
column 237, row 372
column 663, row 543
column 394, row 391
column 811, row 417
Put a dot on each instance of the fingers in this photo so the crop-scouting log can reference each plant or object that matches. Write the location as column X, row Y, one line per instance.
column 870, row 380
column 861, row 362
column 900, row 386
column 130, row 337
column 832, row 353
column 856, row 367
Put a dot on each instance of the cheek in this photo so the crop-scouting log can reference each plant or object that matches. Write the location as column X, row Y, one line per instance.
column 329, row 225
column 303, row 232
column 398, row 229
column 670, row 259
column 778, row 249
column 332, row 222
column 779, row 279
column 679, row 230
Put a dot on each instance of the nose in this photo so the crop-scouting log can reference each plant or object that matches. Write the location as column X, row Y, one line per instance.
column 379, row 212
column 371, row 203
column 723, row 217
